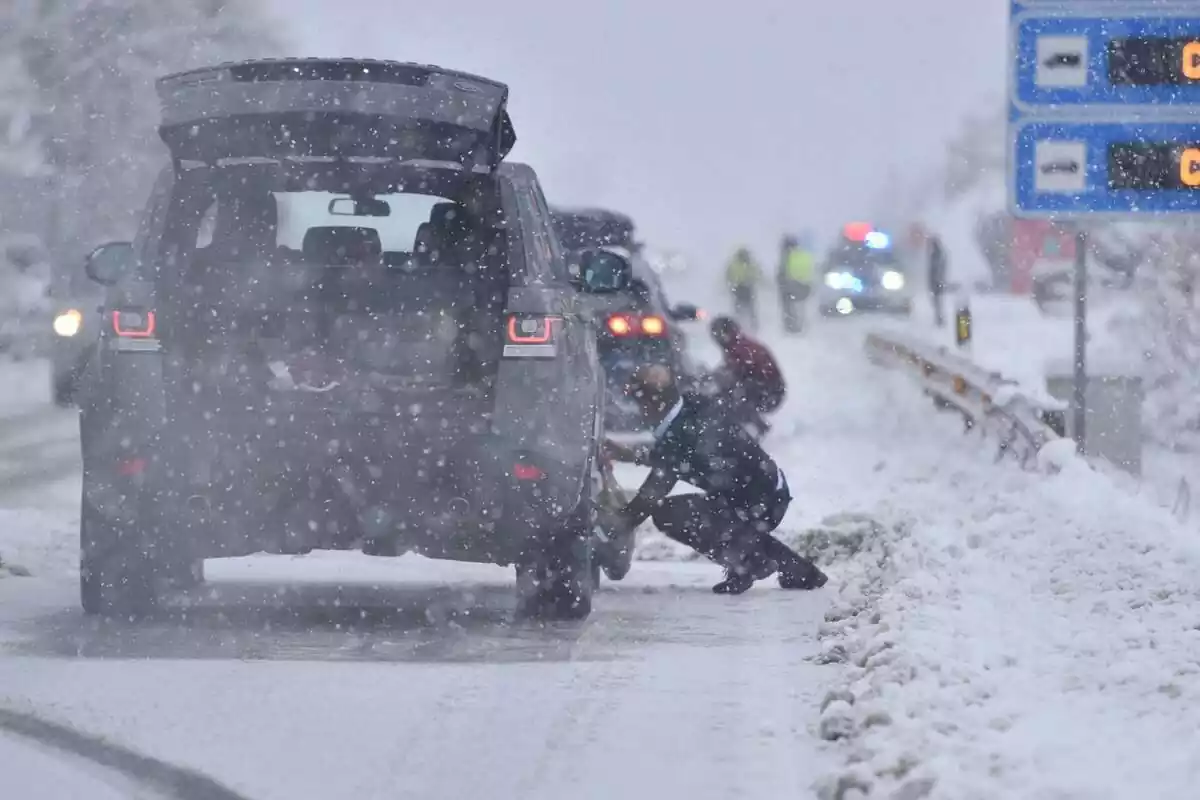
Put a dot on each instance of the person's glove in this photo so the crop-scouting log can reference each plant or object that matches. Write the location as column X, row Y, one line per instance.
column 610, row 525
column 613, row 451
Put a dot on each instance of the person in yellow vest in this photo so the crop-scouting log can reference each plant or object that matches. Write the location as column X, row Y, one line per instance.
column 742, row 277
column 795, row 277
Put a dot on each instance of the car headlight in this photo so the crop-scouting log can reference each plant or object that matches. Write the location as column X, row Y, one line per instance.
column 892, row 281
column 68, row 323
column 838, row 280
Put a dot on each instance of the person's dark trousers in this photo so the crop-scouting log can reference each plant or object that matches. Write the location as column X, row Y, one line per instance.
column 939, row 314
column 738, row 539
column 787, row 306
column 744, row 306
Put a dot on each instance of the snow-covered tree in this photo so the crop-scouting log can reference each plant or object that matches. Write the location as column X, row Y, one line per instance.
column 88, row 106
column 975, row 154
column 1162, row 324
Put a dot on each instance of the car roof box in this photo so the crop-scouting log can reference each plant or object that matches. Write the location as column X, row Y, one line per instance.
column 339, row 108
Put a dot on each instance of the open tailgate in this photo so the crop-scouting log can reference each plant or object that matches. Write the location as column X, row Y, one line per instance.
column 339, row 108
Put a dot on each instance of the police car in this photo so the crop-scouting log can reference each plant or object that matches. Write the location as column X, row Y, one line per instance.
column 864, row 272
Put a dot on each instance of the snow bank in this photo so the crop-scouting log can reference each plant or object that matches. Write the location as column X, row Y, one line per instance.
column 1026, row 637
column 39, row 543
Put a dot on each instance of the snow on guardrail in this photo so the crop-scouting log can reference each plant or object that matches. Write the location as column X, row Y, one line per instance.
column 1024, row 425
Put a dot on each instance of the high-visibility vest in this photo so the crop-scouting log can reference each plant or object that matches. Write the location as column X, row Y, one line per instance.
column 741, row 271
column 799, row 266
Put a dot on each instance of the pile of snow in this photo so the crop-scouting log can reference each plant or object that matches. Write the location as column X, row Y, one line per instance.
column 38, row 543
column 1029, row 636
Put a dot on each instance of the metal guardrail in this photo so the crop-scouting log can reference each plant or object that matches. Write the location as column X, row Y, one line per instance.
column 986, row 400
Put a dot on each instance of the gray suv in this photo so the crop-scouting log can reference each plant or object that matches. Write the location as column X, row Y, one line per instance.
column 345, row 322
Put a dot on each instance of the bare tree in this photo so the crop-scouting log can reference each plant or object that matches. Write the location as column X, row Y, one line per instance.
column 89, row 107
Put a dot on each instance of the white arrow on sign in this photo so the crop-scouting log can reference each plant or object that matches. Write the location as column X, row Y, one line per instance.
column 1062, row 62
column 1060, row 167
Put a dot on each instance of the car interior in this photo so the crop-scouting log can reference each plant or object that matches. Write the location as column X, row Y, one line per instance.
column 426, row 310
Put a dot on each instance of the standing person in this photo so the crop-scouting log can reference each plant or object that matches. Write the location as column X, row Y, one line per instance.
column 795, row 276
column 742, row 277
column 749, row 377
column 937, row 278
column 745, row 492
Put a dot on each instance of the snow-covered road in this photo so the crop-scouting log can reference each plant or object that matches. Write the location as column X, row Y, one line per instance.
column 338, row 675
column 989, row 633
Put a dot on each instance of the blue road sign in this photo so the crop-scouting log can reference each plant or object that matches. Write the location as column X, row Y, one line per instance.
column 1104, row 108
column 1066, row 169
column 1113, row 63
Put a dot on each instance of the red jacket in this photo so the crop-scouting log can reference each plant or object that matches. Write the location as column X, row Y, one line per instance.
column 751, row 364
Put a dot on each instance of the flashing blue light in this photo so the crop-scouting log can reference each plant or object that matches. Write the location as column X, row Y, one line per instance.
column 877, row 240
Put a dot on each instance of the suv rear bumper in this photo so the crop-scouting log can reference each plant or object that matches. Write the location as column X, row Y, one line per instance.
column 461, row 496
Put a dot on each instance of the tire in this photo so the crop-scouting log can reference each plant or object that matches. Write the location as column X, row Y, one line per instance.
column 120, row 573
column 557, row 582
column 62, row 391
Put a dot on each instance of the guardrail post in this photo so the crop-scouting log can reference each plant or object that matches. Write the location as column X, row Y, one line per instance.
column 962, row 323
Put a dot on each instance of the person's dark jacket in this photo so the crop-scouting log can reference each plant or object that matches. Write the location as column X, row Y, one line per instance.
column 697, row 443
column 937, row 266
column 752, row 367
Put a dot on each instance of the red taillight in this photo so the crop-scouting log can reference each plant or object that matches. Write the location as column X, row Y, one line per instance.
column 530, row 329
column 527, row 472
column 635, row 324
column 133, row 324
column 654, row 326
column 131, row 467
column 620, row 325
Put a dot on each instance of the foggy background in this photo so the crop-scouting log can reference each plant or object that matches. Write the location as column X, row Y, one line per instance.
column 711, row 127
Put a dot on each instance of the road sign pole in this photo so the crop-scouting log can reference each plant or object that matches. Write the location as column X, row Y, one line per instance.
column 1080, row 388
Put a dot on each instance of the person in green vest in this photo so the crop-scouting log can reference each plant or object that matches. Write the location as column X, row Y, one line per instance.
column 795, row 277
column 742, row 277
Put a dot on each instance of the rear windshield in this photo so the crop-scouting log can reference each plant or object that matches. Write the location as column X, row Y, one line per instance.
column 284, row 221
column 260, row 214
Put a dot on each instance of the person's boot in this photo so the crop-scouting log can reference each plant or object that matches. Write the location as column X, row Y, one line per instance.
column 735, row 582
column 802, row 575
column 741, row 576
column 795, row 571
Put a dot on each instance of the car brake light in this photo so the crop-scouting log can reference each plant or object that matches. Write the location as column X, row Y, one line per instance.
column 620, row 325
column 653, row 326
column 131, row 467
column 530, row 330
column 133, row 324
column 527, row 472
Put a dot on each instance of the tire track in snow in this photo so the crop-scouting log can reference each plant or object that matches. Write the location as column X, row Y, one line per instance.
column 169, row 780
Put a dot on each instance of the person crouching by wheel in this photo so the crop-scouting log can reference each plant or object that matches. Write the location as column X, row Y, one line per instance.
column 745, row 494
column 749, row 376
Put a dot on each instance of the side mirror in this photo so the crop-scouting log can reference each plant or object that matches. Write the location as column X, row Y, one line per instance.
column 600, row 271
column 685, row 312
column 108, row 262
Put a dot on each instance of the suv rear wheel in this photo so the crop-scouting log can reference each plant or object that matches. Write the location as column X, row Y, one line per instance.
column 120, row 573
column 558, row 581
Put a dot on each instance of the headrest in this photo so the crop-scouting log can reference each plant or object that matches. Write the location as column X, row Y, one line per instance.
column 447, row 216
column 338, row 245
column 423, row 243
